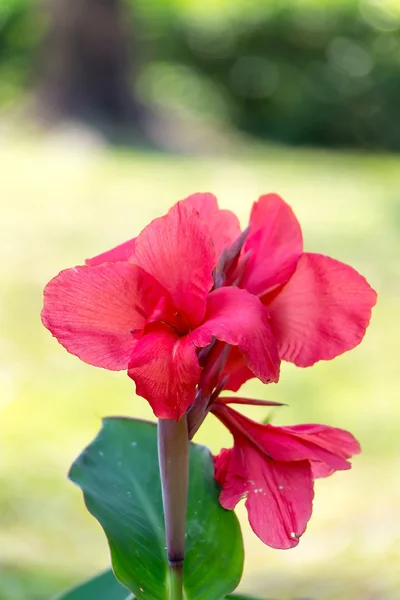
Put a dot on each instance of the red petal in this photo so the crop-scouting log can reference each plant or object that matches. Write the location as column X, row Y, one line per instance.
column 234, row 483
column 275, row 242
column 279, row 495
column 177, row 250
column 334, row 440
column 321, row 312
column 93, row 310
column 318, row 443
column 274, row 467
column 166, row 371
column 236, row 317
column 119, row 253
column 279, row 502
column 223, row 225
column 236, row 371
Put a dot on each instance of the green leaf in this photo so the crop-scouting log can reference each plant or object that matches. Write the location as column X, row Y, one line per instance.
column 106, row 587
column 101, row 587
column 118, row 474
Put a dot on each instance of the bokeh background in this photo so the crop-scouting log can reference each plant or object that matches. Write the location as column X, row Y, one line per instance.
column 110, row 111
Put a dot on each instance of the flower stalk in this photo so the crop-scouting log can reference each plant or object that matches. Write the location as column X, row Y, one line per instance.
column 173, row 457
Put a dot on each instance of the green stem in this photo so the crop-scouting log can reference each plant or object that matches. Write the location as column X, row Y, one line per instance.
column 176, row 582
column 173, row 458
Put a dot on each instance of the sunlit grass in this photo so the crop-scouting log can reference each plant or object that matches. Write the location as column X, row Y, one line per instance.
column 62, row 202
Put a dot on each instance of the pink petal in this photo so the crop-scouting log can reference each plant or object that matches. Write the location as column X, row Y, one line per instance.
column 236, row 317
column 321, row 312
column 166, row 371
column 275, row 242
column 321, row 470
column 279, row 495
column 92, row 311
column 236, row 371
column 223, row 225
column 119, row 253
column 177, row 250
column 233, row 481
column 279, row 502
column 335, row 441
column 316, row 443
column 332, row 439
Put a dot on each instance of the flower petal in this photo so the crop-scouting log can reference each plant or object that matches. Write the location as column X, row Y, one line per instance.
column 321, row 312
column 119, row 253
column 279, row 502
column 177, row 250
column 318, row 443
column 275, row 242
column 330, row 439
column 92, row 311
column 234, row 482
column 278, row 495
column 166, row 371
column 274, row 468
column 236, row 371
column 223, row 225
column 236, row 317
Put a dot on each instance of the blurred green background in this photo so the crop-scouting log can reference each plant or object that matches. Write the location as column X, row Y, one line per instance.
column 325, row 72
column 214, row 87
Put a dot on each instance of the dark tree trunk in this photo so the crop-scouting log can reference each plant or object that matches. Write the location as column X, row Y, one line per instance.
column 87, row 64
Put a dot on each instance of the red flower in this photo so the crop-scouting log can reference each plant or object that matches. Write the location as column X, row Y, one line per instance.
column 274, row 469
column 148, row 305
column 318, row 307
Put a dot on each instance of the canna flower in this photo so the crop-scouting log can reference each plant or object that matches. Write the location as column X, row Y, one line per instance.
column 149, row 306
column 318, row 307
column 274, row 469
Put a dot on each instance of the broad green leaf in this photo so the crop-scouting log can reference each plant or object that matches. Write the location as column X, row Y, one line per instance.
column 101, row 587
column 106, row 587
column 118, row 474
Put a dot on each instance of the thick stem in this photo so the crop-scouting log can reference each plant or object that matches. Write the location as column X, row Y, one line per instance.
column 173, row 457
column 197, row 413
column 176, row 582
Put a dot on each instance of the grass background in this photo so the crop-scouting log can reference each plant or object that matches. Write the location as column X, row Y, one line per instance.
column 64, row 199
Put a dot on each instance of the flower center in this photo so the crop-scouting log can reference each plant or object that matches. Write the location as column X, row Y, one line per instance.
column 178, row 322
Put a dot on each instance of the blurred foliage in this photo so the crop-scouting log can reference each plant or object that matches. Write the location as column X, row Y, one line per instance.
column 297, row 71
column 22, row 28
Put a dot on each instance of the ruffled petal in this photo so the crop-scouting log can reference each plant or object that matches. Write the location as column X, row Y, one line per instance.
column 177, row 251
column 275, row 243
column 95, row 312
column 238, row 318
column 119, row 253
column 333, row 441
column 321, row 312
column 317, row 443
column 223, row 225
column 166, row 371
column 274, row 467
